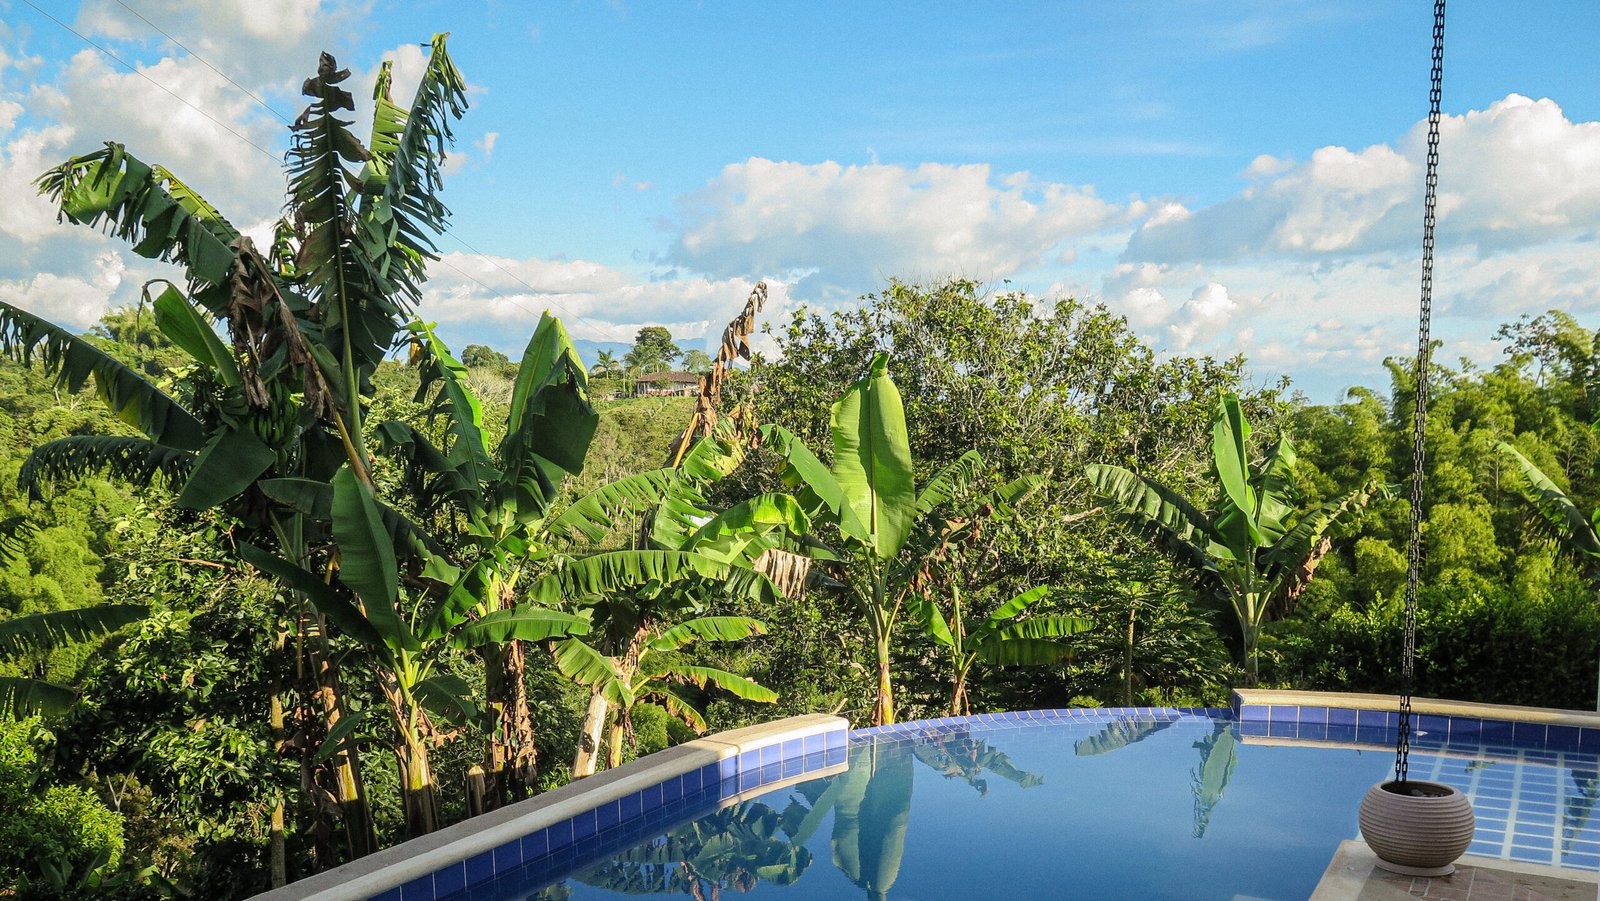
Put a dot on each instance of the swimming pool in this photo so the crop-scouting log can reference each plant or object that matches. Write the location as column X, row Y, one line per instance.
column 1190, row 804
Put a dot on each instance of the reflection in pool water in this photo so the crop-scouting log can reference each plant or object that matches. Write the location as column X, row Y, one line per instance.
column 1179, row 807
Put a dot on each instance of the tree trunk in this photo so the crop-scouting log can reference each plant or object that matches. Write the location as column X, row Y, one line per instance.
column 477, row 792
column 614, row 740
column 277, row 857
column 347, row 788
column 1127, row 664
column 512, row 754
column 416, row 787
column 883, row 706
column 958, row 696
column 594, row 722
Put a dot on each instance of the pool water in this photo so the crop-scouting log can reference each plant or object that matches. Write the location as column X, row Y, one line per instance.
column 1178, row 806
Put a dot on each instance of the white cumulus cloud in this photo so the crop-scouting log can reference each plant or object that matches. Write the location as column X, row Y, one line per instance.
column 851, row 227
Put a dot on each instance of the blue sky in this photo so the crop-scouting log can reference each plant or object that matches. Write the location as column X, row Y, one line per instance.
column 1233, row 177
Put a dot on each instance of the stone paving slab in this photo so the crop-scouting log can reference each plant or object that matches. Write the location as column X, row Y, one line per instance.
column 1353, row 875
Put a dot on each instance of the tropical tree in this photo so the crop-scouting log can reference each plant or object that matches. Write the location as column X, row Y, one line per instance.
column 307, row 324
column 653, row 350
column 697, row 361
column 891, row 536
column 1250, row 561
column 498, row 501
column 1001, row 639
column 635, row 656
column 605, row 364
column 1558, row 518
column 408, row 631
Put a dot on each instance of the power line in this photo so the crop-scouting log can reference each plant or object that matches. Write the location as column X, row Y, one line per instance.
column 135, row 70
column 247, row 92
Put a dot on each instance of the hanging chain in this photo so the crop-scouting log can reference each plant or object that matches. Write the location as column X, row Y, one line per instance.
column 1419, row 431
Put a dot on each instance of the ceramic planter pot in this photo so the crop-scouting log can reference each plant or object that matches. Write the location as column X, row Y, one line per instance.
column 1417, row 828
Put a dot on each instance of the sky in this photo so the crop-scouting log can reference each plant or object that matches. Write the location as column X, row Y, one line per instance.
column 1233, row 177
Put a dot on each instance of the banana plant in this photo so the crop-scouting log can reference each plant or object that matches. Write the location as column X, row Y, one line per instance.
column 1001, row 639
column 307, row 324
column 1251, row 562
column 503, row 497
column 23, row 697
column 647, row 665
column 407, row 632
column 891, row 535
column 1557, row 517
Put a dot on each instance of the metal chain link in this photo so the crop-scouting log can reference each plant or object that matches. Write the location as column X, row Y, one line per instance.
column 1419, row 431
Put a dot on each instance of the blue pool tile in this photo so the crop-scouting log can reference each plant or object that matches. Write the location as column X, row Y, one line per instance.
column 1373, row 719
column 1253, row 727
column 835, row 756
column 1317, row 716
column 631, row 806
column 672, row 789
column 607, row 815
column 452, row 878
column 558, row 836
column 390, row 895
column 1528, row 735
column 535, row 845
column 1582, row 861
column 583, row 826
column 480, row 868
column 419, row 889
column 813, row 743
column 1533, row 837
column 1339, row 716
column 1432, row 725
column 1283, row 730
column 794, row 747
column 1342, row 733
column 508, row 856
column 771, row 754
column 1496, row 732
column 1562, row 738
column 1589, row 741
column 834, row 739
column 725, row 768
column 1465, row 729
column 793, row 766
column 1314, row 731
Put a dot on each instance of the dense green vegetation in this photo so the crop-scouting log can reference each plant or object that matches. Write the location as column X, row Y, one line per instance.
column 351, row 600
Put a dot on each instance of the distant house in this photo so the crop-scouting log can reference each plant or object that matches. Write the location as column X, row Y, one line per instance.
column 666, row 384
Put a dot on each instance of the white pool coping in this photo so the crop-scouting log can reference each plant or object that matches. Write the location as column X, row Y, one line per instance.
column 1510, row 713
column 395, row 866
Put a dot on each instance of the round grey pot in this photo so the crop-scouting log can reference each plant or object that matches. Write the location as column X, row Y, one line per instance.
column 1417, row 828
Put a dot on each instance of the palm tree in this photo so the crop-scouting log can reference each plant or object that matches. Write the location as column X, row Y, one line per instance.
column 606, row 364
column 307, row 324
column 1251, row 563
